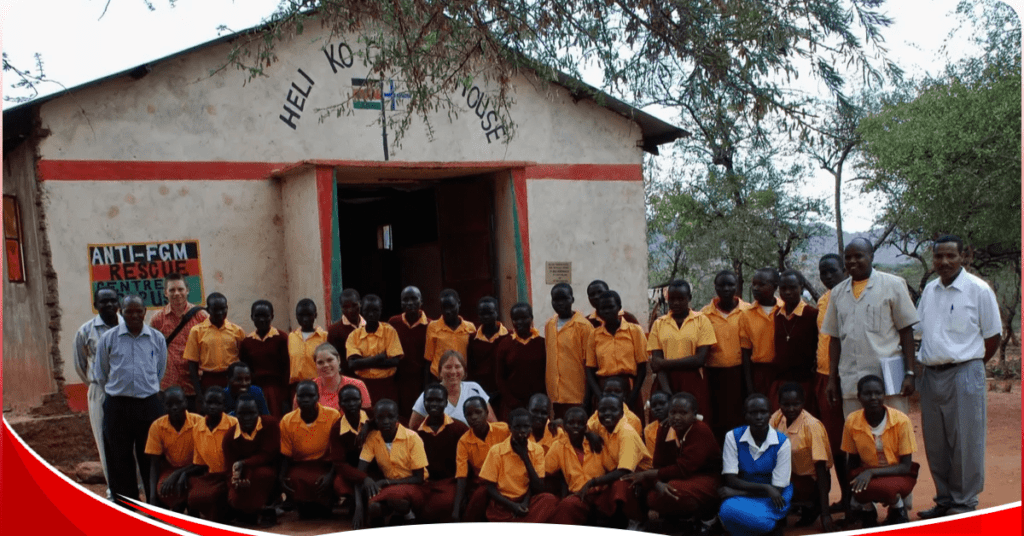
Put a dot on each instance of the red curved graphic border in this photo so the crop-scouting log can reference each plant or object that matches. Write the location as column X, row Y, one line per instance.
column 36, row 499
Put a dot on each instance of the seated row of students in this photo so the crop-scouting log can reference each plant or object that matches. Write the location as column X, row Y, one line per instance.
column 574, row 471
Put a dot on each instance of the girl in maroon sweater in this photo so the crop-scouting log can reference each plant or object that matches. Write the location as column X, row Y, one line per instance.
column 521, row 361
column 251, row 452
column 687, row 466
column 483, row 346
column 440, row 434
column 411, row 326
column 345, row 442
column 265, row 350
column 796, row 339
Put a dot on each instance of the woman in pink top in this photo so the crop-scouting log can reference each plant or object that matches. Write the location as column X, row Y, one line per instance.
column 330, row 380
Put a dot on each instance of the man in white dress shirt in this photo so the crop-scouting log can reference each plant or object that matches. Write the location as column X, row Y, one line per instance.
column 106, row 303
column 960, row 331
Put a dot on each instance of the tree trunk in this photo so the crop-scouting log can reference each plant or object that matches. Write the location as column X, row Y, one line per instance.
column 811, row 290
column 839, row 212
column 1008, row 333
column 1009, row 314
column 737, row 267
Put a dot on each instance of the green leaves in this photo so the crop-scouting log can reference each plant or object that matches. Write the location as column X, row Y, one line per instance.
column 951, row 156
column 658, row 51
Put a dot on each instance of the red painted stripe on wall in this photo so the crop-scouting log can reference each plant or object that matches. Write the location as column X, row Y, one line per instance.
column 324, row 196
column 100, row 272
column 109, row 170
column 586, row 172
column 77, row 395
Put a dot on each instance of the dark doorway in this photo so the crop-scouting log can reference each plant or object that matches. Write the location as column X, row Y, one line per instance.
column 433, row 235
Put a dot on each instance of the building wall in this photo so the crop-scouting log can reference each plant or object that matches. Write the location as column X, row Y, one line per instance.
column 597, row 225
column 239, row 225
column 27, row 338
column 164, row 157
column 302, row 259
column 178, row 112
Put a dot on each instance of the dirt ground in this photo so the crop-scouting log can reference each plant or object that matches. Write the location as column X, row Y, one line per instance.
column 65, row 441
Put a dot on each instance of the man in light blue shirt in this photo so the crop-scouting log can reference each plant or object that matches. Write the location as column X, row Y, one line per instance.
column 130, row 362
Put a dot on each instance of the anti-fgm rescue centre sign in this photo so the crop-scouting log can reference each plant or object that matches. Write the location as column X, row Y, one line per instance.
column 140, row 268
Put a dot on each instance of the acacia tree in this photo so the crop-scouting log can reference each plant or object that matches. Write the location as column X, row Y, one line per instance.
column 736, row 208
column 27, row 80
column 949, row 160
column 829, row 146
column 654, row 51
column 833, row 143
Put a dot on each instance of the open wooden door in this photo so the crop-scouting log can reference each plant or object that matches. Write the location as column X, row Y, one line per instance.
column 465, row 216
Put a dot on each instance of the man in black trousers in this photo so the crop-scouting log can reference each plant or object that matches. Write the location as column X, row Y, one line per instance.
column 130, row 362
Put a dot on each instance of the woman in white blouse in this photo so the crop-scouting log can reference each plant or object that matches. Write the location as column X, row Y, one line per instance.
column 452, row 366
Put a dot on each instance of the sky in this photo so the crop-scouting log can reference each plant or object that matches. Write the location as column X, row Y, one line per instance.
column 78, row 46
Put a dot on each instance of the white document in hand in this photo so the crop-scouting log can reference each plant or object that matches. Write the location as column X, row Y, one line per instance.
column 892, row 374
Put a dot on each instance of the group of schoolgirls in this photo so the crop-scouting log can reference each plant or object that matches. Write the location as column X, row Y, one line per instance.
column 550, row 462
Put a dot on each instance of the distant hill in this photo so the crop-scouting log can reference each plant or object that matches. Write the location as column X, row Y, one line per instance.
column 818, row 246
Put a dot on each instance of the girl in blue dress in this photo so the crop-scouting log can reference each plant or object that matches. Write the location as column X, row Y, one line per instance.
column 756, row 469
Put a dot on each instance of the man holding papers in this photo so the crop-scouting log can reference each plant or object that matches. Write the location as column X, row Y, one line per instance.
column 870, row 317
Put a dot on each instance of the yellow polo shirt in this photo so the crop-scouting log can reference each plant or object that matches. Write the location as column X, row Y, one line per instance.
column 441, row 338
column 726, row 350
column 678, row 342
column 405, row 456
column 565, row 374
column 619, row 353
column 757, row 331
column 506, row 469
column 300, row 354
column 362, row 343
column 212, row 347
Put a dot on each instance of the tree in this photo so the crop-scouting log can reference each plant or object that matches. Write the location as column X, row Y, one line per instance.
column 954, row 153
column 734, row 209
column 833, row 142
column 830, row 145
column 27, row 79
column 949, row 160
column 654, row 51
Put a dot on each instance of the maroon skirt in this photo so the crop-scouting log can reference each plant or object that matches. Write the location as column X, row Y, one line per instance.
column 208, row 495
column 541, row 509
column 303, row 477
column 173, row 501
column 262, row 481
column 696, row 495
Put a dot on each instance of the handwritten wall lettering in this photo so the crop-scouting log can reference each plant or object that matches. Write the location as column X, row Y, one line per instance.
column 342, row 61
column 490, row 123
column 297, row 99
column 140, row 268
column 369, row 94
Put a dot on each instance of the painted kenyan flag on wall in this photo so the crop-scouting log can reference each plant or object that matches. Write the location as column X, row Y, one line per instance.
column 366, row 94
